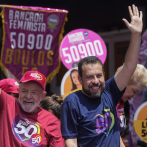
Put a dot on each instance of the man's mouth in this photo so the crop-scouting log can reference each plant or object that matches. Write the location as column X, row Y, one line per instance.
column 95, row 88
column 26, row 102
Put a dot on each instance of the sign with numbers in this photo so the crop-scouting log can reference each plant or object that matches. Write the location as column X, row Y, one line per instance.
column 31, row 38
column 140, row 121
column 81, row 43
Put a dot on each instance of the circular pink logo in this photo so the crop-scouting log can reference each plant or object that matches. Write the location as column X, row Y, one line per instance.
column 36, row 140
column 81, row 43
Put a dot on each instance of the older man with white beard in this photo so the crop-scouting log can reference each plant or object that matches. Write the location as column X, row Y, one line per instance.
column 22, row 122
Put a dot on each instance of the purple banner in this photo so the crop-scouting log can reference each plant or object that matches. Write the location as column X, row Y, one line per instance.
column 31, row 38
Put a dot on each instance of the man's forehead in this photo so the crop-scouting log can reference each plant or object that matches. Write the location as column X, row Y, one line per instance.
column 90, row 69
column 90, row 66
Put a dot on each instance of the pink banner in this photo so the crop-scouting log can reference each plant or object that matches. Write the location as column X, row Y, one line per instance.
column 81, row 43
column 31, row 38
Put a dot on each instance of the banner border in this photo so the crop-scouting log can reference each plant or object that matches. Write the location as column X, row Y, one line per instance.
column 56, row 70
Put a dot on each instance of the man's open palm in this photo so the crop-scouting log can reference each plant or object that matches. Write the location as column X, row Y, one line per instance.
column 135, row 26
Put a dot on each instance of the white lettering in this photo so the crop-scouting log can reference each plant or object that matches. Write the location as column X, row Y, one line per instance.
column 82, row 50
column 53, row 20
column 14, row 24
column 10, row 24
column 24, row 27
column 75, row 37
column 29, row 25
column 39, row 24
column 20, row 24
column 17, row 15
column 41, row 17
column 35, row 27
column 31, row 16
column 43, row 28
column 36, row 18
column 22, row 15
column 27, row 18
column 31, row 41
column 10, row 14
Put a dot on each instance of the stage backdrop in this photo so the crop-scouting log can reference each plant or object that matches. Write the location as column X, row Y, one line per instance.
column 31, row 38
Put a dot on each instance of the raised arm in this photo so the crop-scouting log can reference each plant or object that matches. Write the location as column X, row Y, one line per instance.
column 135, row 26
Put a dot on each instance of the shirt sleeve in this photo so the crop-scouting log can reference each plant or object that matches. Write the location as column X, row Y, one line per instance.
column 115, row 92
column 56, row 137
column 5, row 99
column 69, row 119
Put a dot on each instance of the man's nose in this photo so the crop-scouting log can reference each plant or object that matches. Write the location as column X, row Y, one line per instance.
column 29, row 95
column 95, row 80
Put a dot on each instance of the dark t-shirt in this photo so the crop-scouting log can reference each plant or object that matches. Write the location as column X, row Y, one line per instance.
column 93, row 121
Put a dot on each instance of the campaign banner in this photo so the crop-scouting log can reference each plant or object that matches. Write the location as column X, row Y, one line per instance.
column 135, row 103
column 81, row 43
column 31, row 39
column 140, row 122
column 70, row 82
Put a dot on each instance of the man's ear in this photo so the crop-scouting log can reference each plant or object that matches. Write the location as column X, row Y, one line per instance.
column 80, row 79
column 44, row 94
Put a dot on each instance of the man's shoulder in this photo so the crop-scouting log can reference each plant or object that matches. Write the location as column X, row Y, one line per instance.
column 6, row 99
column 49, row 122
column 110, row 84
column 112, row 79
column 73, row 97
column 4, row 94
column 47, row 115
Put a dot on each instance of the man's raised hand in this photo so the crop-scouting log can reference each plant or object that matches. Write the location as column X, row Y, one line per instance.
column 136, row 24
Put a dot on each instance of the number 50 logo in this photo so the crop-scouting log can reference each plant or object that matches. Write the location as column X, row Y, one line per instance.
column 26, row 131
column 36, row 140
column 29, row 133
